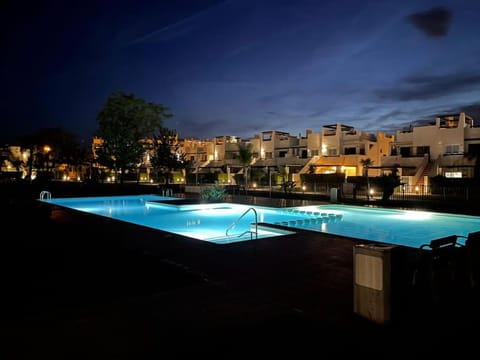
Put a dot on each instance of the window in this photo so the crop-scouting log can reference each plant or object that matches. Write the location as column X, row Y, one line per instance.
column 452, row 149
column 268, row 155
column 332, row 152
column 423, row 150
column 453, row 174
column 350, row 151
column 405, row 151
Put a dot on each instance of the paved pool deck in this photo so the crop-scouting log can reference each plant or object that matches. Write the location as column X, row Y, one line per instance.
column 80, row 286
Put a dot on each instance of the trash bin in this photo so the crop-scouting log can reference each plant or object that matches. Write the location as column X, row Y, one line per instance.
column 334, row 195
column 372, row 281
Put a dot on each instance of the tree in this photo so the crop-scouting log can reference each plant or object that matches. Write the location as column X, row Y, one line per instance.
column 245, row 155
column 124, row 123
column 165, row 155
column 49, row 147
column 366, row 163
column 282, row 171
column 474, row 153
column 388, row 183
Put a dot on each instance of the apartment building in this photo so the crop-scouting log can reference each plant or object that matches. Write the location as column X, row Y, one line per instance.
column 14, row 161
column 447, row 147
column 340, row 148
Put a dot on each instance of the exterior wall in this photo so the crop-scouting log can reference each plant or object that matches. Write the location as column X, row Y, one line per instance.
column 314, row 143
column 197, row 150
column 331, row 141
column 438, row 137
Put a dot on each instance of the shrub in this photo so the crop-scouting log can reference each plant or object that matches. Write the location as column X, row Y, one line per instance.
column 213, row 193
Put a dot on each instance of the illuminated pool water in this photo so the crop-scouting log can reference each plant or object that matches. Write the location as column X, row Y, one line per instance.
column 210, row 222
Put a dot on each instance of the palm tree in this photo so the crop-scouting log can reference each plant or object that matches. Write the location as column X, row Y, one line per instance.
column 245, row 156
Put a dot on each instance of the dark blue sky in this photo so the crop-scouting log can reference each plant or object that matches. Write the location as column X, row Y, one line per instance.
column 238, row 67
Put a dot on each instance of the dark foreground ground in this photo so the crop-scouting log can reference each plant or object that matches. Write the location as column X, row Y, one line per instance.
column 75, row 286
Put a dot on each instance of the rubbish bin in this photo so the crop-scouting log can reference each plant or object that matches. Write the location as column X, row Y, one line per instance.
column 333, row 195
column 372, row 281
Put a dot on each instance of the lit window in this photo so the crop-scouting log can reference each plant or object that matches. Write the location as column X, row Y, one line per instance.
column 453, row 174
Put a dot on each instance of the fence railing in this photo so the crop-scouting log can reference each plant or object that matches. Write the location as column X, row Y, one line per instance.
column 403, row 192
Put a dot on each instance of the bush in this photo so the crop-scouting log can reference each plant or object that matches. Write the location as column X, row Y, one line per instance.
column 213, row 193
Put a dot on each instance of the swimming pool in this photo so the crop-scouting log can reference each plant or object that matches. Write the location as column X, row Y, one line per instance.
column 223, row 222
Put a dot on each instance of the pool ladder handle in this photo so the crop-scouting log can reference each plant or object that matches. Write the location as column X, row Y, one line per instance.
column 167, row 192
column 45, row 194
column 232, row 225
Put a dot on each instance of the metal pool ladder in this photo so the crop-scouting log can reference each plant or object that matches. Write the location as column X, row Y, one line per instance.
column 232, row 225
column 45, row 195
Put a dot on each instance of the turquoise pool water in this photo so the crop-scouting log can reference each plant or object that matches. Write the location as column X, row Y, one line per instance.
column 210, row 222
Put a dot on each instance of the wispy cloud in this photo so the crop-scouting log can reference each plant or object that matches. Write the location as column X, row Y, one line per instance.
column 176, row 29
column 422, row 87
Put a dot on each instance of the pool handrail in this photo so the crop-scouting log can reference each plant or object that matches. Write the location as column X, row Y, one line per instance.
column 233, row 224
column 45, row 194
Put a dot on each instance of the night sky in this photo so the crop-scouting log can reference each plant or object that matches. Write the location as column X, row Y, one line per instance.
column 240, row 67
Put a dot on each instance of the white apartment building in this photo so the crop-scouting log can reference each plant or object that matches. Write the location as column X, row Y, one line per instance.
column 341, row 148
column 440, row 148
column 337, row 148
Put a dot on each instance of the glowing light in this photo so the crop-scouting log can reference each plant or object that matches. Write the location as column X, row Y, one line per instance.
column 371, row 191
column 414, row 215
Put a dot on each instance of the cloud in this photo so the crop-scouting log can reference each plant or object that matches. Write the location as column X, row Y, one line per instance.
column 189, row 23
column 472, row 109
column 433, row 23
column 423, row 87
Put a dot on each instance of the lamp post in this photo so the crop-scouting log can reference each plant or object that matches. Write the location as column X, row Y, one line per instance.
column 269, row 181
column 196, row 163
column 368, row 184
